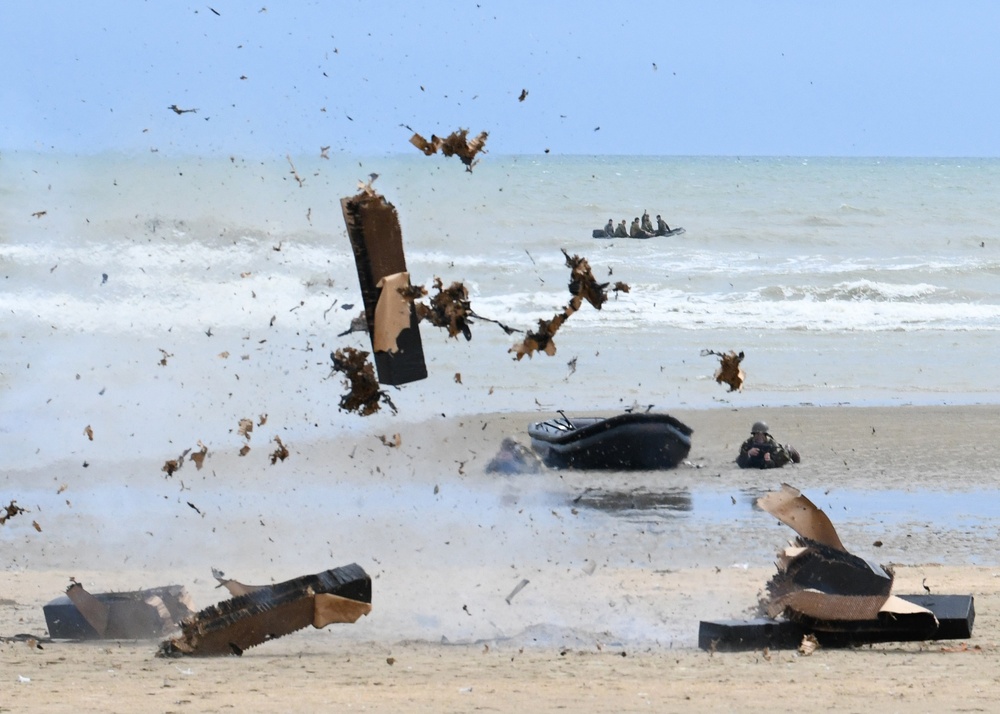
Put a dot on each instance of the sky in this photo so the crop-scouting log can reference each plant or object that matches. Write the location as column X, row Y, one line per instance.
column 698, row 77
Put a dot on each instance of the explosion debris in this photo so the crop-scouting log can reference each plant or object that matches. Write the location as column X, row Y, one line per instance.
column 172, row 466
column 517, row 588
column 280, row 453
column 823, row 592
column 364, row 396
column 393, row 309
column 199, row 456
column 454, row 144
column 9, row 511
column 358, row 324
column 377, row 240
column 449, row 308
column 582, row 286
column 267, row 612
column 395, row 442
column 140, row 614
column 295, row 175
column 729, row 371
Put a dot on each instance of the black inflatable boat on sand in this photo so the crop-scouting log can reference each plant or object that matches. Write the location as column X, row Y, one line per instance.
column 601, row 233
column 624, row 442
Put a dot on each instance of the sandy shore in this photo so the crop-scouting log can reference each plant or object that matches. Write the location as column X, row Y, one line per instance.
column 609, row 618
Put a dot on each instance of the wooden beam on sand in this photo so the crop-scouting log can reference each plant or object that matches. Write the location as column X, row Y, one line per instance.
column 953, row 618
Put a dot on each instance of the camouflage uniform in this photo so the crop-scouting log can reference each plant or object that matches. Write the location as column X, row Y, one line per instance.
column 647, row 225
column 779, row 455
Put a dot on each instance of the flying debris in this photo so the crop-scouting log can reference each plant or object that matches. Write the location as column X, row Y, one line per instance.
column 374, row 230
column 295, row 173
column 455, row 144
column 358, row 324
column 729, row 371
column 199, row 456
column 582, row 286
column 364, row 397
column 280, row 453
column 449, row 308
column 10, row 511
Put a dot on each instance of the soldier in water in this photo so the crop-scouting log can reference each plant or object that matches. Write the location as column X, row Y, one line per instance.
column 661, row 226
column 621, row 231
column 761, row 451
column 609, row 229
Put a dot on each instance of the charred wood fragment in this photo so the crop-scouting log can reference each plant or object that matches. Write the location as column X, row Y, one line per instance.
column 377, row 240
column 140, row 614
column 271, row 611
column 364, row 396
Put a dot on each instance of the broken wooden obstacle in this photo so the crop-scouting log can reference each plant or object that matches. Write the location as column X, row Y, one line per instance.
column 951, row 618
column 267, row 612
column 136, row 615
column 822, row 590
column 377, row 240
column 818, row 579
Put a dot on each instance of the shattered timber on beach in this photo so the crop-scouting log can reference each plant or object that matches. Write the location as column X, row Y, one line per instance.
column 266, row 612
column 824, row 595
column 255, row 614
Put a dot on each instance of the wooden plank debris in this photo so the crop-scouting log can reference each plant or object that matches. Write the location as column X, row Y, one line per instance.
column 265, row 612
column 954, row 615
column 822, row 589
column 136, row 615
column 377, row 240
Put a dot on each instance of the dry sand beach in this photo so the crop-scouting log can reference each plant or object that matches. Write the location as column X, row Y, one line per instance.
column 610, row 615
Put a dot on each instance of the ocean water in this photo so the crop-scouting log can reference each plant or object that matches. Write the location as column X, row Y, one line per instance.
column 160, row 297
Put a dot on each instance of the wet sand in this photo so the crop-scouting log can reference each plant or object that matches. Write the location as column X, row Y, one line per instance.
column 609, row 617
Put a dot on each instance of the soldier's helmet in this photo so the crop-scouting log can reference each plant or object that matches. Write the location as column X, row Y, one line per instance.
column 759, row 427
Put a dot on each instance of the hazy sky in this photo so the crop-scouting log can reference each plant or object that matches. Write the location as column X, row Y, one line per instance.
column 863, row 78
